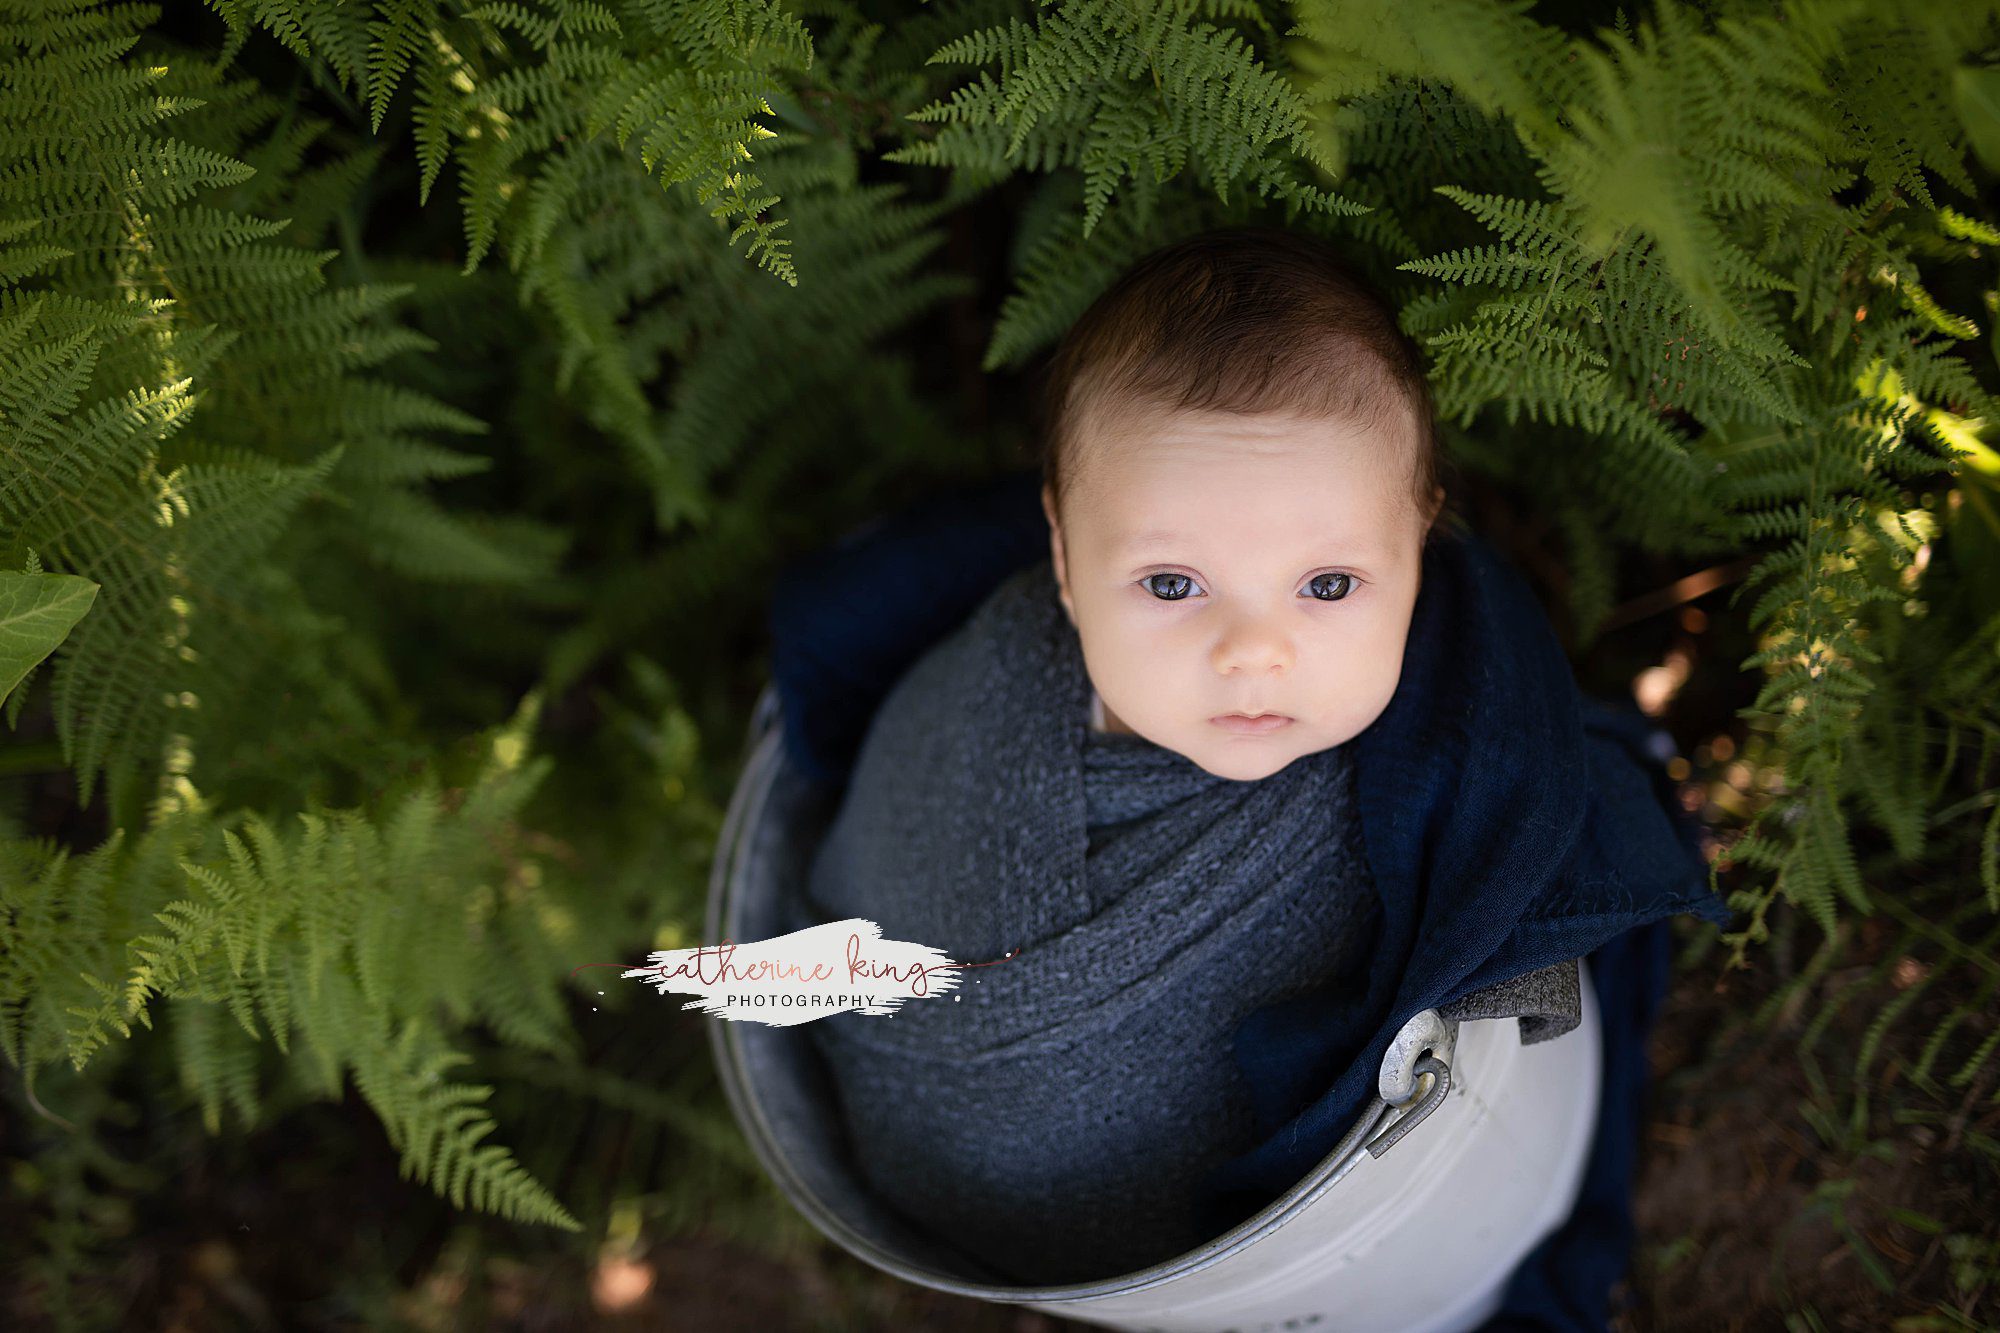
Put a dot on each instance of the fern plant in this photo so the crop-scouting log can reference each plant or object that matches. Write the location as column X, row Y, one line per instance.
column 381, row 576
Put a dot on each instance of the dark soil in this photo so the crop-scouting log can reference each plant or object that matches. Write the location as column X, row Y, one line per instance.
column 1756, row 1209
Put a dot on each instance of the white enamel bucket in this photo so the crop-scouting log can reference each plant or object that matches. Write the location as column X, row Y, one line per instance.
column 1471, row 1153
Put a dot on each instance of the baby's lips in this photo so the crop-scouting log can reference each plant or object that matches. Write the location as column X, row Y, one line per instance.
column 1236, row 722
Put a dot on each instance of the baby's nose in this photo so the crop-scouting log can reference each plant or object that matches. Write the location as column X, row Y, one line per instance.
column 1253, row 646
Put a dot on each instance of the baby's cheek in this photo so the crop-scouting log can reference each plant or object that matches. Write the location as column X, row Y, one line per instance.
column 1364, row 695
column 1389, row 675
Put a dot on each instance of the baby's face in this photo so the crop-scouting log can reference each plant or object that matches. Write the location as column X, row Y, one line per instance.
column 1215, row 564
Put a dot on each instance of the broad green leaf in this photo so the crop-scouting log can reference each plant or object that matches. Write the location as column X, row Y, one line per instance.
column 37, row 612
column 1977, row 95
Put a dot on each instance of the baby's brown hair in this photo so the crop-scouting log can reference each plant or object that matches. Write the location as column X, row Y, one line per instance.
column 1239, row 319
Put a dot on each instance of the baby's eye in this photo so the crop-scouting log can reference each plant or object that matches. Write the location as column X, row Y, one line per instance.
column 1180, row 583
column 1178, row 587
column 1321, row 590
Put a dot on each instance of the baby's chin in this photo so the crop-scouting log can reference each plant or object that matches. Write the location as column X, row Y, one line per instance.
column 1244, row 762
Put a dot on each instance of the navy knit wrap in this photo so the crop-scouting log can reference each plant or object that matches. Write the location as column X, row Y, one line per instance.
column 1055, row 1115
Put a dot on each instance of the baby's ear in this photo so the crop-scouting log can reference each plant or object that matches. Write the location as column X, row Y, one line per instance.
column 1057, row 554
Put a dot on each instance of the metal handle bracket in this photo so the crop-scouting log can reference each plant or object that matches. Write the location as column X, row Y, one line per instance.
column 1440, row 1075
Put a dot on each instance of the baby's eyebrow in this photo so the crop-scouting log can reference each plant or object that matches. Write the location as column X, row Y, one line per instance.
column 1160, row 537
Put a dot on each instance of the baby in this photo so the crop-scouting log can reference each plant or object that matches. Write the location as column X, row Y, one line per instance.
column 1128, row 767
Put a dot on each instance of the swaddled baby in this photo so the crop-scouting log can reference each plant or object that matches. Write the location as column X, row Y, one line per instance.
column 1128, row 765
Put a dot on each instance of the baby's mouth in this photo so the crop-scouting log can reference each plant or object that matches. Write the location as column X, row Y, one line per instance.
column 1251, row 724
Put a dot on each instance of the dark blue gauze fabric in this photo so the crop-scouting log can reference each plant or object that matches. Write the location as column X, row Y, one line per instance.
column 1510, row 821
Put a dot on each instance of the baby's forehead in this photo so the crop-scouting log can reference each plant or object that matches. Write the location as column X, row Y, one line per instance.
column 1152, row 435
column 1255, row 492
column 1232, row 452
